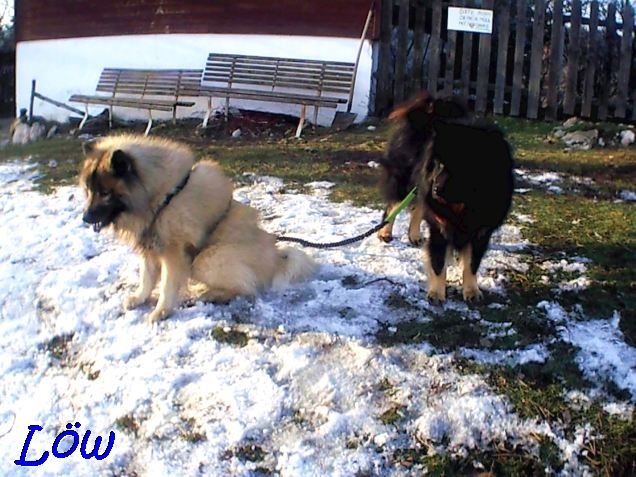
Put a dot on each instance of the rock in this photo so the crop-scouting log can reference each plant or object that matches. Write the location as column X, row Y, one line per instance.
column 570, row 122
column 581, row 139
column 52, row 131
column 37, row 132
column 237, row 133
column 21, row 134
column 627, row 137
column 558, row 133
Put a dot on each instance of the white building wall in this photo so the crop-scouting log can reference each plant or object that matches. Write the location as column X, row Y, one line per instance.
column 64, row 67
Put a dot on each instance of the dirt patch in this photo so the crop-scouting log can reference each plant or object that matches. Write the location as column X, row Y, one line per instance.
column 252, row 126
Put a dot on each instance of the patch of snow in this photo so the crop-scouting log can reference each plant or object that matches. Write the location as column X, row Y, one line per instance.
column 305, row 388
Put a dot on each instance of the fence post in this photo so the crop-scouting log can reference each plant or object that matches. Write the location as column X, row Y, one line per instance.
column 536, row 57
column 503, row 20
column 606, row 69
column 483, row 66
column 573, row 55
column 419, row 47
column 556, row 60
column 401, row 54
column 520, row 44
column 383, row 75
column 436, row 36
column 625, row 59
column 590, row 67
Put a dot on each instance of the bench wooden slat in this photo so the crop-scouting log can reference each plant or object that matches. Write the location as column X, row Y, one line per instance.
column 161, row 105
column 298, row 98
column 278, row 78
column 271, row 59
column 150, row 89
column 316, row 83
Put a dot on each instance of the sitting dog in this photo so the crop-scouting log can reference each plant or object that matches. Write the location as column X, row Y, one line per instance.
column 182, row 220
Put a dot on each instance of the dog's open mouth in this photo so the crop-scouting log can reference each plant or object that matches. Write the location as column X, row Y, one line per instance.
column 96, row 225
column 98, row 220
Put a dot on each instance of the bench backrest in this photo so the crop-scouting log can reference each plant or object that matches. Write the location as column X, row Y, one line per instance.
column 150, row 82
column 272, row 73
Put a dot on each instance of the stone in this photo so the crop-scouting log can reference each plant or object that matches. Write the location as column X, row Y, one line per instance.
column 627, row 137
column 37, row 131
column 583, row 140
column 21, row 134
column 52, row 131
column 571, row 122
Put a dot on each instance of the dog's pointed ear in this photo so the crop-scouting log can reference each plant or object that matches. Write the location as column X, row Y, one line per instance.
column 88, row 147
column 121, row 163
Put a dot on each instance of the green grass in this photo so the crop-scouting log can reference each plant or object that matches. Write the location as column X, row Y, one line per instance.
column 602, row 231
column 58, row 160
column 230, row 336
column 584, row 221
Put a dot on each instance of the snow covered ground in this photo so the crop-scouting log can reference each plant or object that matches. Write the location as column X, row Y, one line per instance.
column 306, row 390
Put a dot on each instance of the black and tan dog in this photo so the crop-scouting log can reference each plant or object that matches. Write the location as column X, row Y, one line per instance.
column 465, row 189
column 464, row 174
column 182, row 220
column 401, row 165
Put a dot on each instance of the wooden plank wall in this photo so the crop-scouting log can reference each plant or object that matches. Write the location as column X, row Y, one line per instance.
column 54, row 19
column 545, row 59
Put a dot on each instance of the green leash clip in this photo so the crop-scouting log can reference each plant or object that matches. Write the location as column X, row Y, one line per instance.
column 403, row 205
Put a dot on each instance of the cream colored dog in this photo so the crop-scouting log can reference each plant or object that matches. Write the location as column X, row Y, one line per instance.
column 182, row 220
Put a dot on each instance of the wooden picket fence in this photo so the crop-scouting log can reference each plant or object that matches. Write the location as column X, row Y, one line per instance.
column 545, row 59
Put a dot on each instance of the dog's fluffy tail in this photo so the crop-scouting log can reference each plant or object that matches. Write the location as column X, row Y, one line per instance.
column 293, row 266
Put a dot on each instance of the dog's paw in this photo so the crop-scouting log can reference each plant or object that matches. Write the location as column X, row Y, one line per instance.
column 472, row 294
column 386, row 238
column 157, row 315
column 436, row 297
column 416, row 241
column 133, row 301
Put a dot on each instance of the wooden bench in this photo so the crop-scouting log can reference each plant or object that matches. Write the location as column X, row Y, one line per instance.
column 314, row 83
column 150, row 89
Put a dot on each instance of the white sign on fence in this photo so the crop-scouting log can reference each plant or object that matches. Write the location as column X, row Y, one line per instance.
column 470, row 19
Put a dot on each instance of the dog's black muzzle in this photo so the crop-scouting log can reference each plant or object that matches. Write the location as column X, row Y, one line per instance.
column 102, row 215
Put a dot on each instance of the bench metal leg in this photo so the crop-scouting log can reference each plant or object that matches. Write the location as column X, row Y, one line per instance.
column 301, row 123
column 315, row 116
column 149, row 123
column 227, row 108
column 85, row 118
column 208, row 113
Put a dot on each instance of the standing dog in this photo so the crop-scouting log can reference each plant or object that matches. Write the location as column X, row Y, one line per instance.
column 182, row 220
column 465, row 190
column 402, row 164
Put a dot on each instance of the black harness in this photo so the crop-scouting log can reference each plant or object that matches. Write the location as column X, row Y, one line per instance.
column 146, row 235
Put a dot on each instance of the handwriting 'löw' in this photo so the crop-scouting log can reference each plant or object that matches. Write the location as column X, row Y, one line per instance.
column 68, row 433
